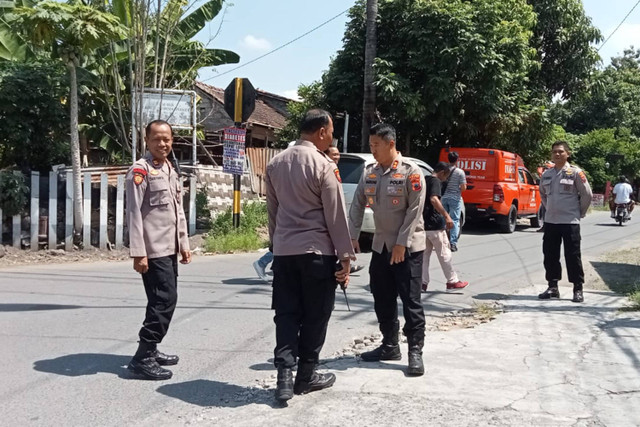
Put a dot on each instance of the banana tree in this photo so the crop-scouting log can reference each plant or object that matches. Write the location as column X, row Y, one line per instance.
column 69, row 32
column 159, row 51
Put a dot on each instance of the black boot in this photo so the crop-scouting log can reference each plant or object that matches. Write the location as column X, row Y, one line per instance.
column 284, row 388
column 416, row 367
column 384, row 352
column 165, row 359
column 389, row 350
column 551, row 292
column 415, row 339
column 308, row 380
column 577, row 293
column 145, row 365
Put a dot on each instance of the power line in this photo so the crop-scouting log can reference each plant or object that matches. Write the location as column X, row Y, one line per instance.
column 280, row 47
column 619, row 25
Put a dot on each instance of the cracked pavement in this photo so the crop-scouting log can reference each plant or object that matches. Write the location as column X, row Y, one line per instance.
column 539, row 363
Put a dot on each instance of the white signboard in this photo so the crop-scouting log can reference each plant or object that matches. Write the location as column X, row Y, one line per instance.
column 233, row 154
column 173, row 108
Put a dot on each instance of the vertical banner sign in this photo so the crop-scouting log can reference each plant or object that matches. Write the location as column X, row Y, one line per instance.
column 233, row 150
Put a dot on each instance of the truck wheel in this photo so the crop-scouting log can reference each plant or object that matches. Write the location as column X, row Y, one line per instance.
column 508, row 223
column 537, row 221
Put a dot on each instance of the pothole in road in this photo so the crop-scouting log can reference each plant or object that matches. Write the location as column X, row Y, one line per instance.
column 468, row 318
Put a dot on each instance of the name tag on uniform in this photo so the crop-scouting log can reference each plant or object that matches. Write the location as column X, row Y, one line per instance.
column 566, row 181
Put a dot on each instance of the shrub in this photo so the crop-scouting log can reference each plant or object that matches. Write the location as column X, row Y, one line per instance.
column 223, row 238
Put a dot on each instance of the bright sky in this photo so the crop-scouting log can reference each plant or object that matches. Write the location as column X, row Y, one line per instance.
column 252, row 28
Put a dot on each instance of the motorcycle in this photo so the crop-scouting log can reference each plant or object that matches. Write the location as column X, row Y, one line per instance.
column 622, row 213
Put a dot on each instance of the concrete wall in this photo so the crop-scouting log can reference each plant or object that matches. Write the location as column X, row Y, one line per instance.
column 219, row 187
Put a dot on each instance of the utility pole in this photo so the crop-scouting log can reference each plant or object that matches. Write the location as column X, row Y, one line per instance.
column 369, row 99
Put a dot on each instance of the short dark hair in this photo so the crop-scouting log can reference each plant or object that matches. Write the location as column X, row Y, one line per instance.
column 147, row 130
column 313, row 120
column 622, row 178
column 564, row 144
column 384, row 131
column 453, row 157
column 441, row 166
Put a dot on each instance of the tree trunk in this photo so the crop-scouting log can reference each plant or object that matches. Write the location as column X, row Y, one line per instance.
column 369, row 99
column 75, row 152
column 407, row 144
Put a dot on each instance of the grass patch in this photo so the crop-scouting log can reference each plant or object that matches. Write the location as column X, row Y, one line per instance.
column 234, row 241
column 620, row 273
column 634, row 298
column 224, row 238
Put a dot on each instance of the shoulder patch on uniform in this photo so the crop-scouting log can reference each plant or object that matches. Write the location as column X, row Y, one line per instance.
column 138, row 178
column 414, row 178
column 582, row 176
column 140, row 171
column 337, row 173
column 395, row 164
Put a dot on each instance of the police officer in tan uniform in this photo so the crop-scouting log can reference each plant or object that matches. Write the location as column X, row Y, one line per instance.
column 394, row 188
column 157, row 233
column 309, row 233
column 566, row 196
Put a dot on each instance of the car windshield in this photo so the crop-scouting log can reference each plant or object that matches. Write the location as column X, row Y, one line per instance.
column 350, row 170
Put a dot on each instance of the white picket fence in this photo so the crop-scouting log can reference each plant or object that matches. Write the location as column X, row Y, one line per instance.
column 51, row 237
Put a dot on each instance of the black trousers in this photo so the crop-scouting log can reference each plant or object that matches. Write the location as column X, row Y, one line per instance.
column 554, row 236
column 390, row 281
column 304, row 291
column 161, row 287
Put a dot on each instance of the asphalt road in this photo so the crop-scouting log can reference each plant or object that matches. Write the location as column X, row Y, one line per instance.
column 68, row 330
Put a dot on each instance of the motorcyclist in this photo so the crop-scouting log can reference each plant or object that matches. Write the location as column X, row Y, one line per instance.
column 621, row 195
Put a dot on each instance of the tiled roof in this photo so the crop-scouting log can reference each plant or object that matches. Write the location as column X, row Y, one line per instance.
column 264, row 113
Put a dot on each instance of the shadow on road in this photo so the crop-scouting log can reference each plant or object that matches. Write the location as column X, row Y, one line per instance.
column 490, row 296
column 342, row 363
column 77, row 365
column 245, row 281
column 219, row 394
column 36, row 307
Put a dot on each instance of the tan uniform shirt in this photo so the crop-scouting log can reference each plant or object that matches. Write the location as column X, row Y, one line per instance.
column 157, row 225
column 305, row 204
column 396, row 196
column 566, row 195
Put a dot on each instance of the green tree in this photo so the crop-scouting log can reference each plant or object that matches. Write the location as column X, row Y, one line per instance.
column 312, row 96
column 158, row 52
column 605, row 154
column 469, row 72
column 612, row 102
column 12, row 46
column 69, row 32
column 445, row 70
column 564, row 39
column 33, row 135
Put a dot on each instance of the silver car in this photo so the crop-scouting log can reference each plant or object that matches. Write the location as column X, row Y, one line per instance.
column 352, row 166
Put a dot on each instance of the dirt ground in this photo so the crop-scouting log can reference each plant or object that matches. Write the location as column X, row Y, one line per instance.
column 10, row 256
